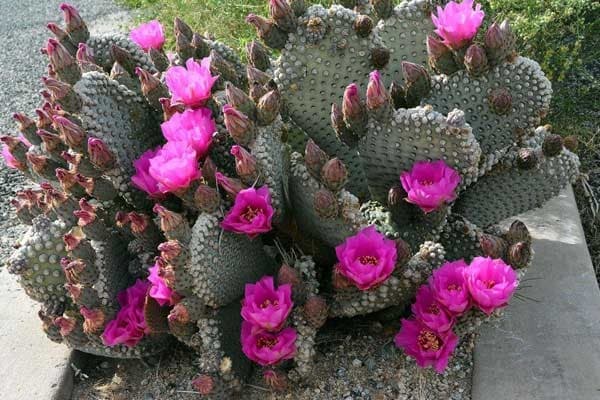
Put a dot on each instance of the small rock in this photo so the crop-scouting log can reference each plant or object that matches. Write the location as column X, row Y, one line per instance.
column 148, row 396
column 356, row 363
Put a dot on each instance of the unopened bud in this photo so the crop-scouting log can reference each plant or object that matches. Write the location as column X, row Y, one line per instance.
column 377, row 96
column 325, row 204
column 245, row 164
column 314, row 158
column 500, row 101
column 334, row 174
column 526, row 159
column 206, row 198
column 363, row 25
column 230, row 185
column 476, row 60
column 238, row 99
column 258, row 56
column 239, row 126
column 282, row 14
column 268, row 107
column 418, row 82
column 553, row 145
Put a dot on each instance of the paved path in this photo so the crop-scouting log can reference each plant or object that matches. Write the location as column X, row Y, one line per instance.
column 549, row 349
column 31, row 367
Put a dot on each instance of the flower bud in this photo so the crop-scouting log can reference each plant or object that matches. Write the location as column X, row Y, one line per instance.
column 398, row 95
column 500, row 101
column 66, row 325
column 493, row 246
column 476, row 60
column 403, row 252
column 518, row 232
column 383, row 8
column 519, row 255
column 159, row 58
column 325, row 204
column 377, row 96
column 256, row 75
column 203, row 384
column 314, row 158
column 230, row 185
column 183, row 28
column 71, row 133
column 239, row 126
column 58, row 32
column 334, row 174
column 75, row 24
column 272, row 35
column 183, row 46
column 206, row 198
column 339, row 281
column 245, row 164
column 201, row 47
column 93, row 320
column 526, row 159
column 99, row 153
column 240, row 100
column 282, row 14
column 65, row 178
column 553, row 145
column 124, row 58
column 170, row 250
column 275, row 380
column 363, row 25
column 85, row 54
column 288, row 275
column 169, row 109
column 208, row 170
column 139, row 222
column 418, row 82
column 396, row 196
column 37, row 161
column 169, row 220
column 268, row 107
column 380, row 57
column 63, row 62
column 315, row 311
column 353, row 109
column 441, row 59
column 258, row 56
column 571, row 143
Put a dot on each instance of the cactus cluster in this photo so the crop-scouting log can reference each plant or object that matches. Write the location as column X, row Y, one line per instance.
column 369, row 154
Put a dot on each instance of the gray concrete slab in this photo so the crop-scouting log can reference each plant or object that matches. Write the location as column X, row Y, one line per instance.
column 549, row 349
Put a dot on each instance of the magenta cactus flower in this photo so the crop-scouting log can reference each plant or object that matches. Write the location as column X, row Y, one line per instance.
column 367, row 258
column 457, row 23
column 431, row 312
column 9, row 159
column 149, row 35
column 427, row 346
column 159, row 290
column 174, row 167
column 192, row 127
column 265, row 306
column 129, row 326
column 142, row 178
column 251, row 213
column 450, row 288
column 429, row 184
column 491, row 283
column 192, row 85
column 267, row 348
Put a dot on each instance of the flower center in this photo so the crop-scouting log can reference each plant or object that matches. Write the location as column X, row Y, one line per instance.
column 428, row 340
column 454, row 287
column 368, row 260
column 250, row 213
column 489, row 284
column 433, row 309
column 426, row 182
column 265, row 341
column 268, row 303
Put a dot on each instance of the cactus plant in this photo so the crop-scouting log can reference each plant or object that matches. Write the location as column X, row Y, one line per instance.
column 357, row 170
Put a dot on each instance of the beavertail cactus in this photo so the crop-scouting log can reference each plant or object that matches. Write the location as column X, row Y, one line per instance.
column 237, row 208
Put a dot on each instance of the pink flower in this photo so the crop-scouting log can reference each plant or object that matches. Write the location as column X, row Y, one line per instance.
column 9, row 159
column 129, row 326
column 149, row 35
column 429, row 184
column 191, row 86
column 425, row 345
column 430, row 312
column 265, row 306
column 267, row 348
column 491, row 283
column 457, row 23
column 193, row 127
column 251, row 212
column 142, row 178
column 159, row 290
column 174, row 167
column 367, row 258
column 449, row 286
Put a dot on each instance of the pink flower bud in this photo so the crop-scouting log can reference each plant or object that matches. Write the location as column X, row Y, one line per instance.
column 38, row 162
column 239, row 126
column 476, row 60
column 553, row 145
column 239, row 100
column 282, row 14
column 352, row 106
column 84, row 54
column 316, row 311
column 57, row 31
column 377, row 96
column 258, row 56
column 148, row 81
column 60, row 58
column 71, row 133
column 71, row 241
column 268, row 107
column 334, row 174
column 325, row 204
column 245, row 164
column 203, row 384
column 314, row 158
column 169, row 220
column 51, row 140
column 99, row 153
column 230, row 185
column 72, row 18
column 500, row 101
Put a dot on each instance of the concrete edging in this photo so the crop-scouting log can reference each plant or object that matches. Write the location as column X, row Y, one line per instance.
column 549, row 349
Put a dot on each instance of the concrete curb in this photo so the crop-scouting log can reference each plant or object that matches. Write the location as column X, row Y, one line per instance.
column 549, row 349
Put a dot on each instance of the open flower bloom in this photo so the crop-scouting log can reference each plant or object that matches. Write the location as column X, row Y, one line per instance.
column 266, row 348
column 174, row 167
column 430, row 312
column 450, row 288
column 265, row 306
column 9, row 159
column 192, row 127
column 367, row 258
column 491, row 283
column 129, row 326
column 142, row 178
column 148, row 36
column 457, row 23
column 430, row 184
column 191, row 85
column 159, row 290
column 425, row 345
column 251, row 213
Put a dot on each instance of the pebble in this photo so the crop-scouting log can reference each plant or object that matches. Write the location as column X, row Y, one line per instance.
column 357, row 363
